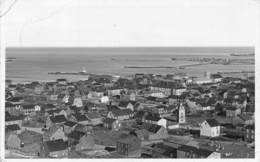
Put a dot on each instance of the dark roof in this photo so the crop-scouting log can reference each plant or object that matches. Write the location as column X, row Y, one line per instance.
column 13, row 127
column 168, row 84
column 8, row 104
column 245, row 117
column 15, row 99
column 70, row 123
column 13, row 118
column 56, row 145
column 52, row 111
column 152, row 117
column 7, row 114
column 61, row 80
column 28, row 106
column 250, row 127
column 151, row 98
column 129, row 139
column 154, row 128
column 231, row 108
column 80, row 117
column 140, row 114
column 122, row 112
column 250, row 108
column 108, row 120
column 112, row 107
column 76, row 135
column 123, row 104
column 215, row 76
column 58, row 119
column 93, row 115
column 195, row 150
column 228, row 126
column 49, row 106
column 212, row 122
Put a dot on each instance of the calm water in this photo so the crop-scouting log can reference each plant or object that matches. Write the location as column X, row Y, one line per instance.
column 35, row 63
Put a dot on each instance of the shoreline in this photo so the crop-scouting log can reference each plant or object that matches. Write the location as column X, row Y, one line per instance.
column 69, row 76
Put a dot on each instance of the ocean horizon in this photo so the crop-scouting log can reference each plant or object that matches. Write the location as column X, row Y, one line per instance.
column 34, row 63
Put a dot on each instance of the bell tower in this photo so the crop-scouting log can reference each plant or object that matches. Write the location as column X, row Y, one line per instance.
column 181, row 116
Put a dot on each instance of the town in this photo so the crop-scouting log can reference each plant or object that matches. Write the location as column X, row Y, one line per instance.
column 142, row 116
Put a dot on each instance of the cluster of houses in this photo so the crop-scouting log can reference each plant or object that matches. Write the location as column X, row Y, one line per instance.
column 145, row 116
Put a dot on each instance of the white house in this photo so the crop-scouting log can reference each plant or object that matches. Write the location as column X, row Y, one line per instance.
column 203, row 80
column 65, row 99
column 27, row 109
column 104, row 99
column 77, row 102
column 157, row 94
column 162, row 122
column 152, row 119
column 210, row 128
column 114, row 92
column 124, row 114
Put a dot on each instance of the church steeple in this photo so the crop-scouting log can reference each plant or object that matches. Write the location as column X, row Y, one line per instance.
column 181, row 117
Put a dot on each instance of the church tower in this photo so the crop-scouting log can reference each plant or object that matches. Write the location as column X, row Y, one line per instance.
column 181, row 114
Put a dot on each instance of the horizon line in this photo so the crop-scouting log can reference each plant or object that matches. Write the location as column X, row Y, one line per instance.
column 130, row 47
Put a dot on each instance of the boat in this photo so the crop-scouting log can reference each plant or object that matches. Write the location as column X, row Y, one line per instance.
column 173, row 59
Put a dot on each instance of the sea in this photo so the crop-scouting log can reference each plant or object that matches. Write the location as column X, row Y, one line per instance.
column 34, row 63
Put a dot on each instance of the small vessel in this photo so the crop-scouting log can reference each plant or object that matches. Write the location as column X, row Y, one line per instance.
column 173, row 59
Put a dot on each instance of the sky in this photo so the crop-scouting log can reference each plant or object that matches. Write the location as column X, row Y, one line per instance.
column 94, row 23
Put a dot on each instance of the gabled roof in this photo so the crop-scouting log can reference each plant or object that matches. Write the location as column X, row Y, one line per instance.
column 108, row 120
column 152, row 117
column 8, row 104
column 13, row 127
column 129, row 139
column 250, row 108
column 231, row 108
column 7, row 114
column 80, row 117
column 252, row 126
column 245, row 117
column 195, row 150
column 58, row 119
column 122, row 112
column 15, row 99
column 76, row 135
column 51, row 131
column 140, row 114
column 215, row 76
column 154, row 128
column 93, row 115
column 112, row 107
column 123, row 103
column 57, row 145
column 28, row 106
column 49, row 106
column 13, row 118
column 70, row 123
column 82, row 128
column 61, row 80
column 212, row 122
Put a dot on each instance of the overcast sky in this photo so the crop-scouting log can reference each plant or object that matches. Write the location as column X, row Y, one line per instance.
column 131, row 23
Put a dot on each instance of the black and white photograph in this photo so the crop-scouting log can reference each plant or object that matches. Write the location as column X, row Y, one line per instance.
column 129, row 79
